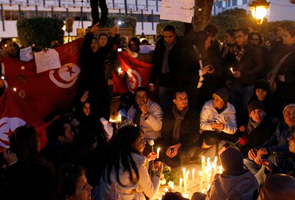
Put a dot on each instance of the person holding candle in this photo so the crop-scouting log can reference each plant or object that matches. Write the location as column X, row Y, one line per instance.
column 217, row 120
column 125, row 171
column 180, row 132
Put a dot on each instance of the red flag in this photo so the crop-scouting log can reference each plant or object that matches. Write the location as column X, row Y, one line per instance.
column 48, row 91
column 138, row 74
column 15, row 112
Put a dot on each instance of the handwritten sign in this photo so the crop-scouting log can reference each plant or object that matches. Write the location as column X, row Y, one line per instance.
column 26, row 54
column 177, row 10
column 47, row 60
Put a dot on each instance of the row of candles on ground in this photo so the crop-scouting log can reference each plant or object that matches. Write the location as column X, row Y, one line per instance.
column 206, row 174
column 204, row 178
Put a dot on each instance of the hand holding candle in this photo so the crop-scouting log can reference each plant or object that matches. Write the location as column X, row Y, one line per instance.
column 158, row 152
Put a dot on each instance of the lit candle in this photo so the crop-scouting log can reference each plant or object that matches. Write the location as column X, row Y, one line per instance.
column 201, row 180
column 184, row 180
column 171, row 185
column 193, row 173
column 158, row 152
column 232, row 71
column 119, row 70
column 180, row 182
column 14, row 89
column 185, row 195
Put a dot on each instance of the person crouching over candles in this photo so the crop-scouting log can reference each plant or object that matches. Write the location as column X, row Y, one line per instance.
column 217, row 121
column 235, row 182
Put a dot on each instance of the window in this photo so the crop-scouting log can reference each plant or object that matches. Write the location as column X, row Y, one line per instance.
column 228, row 3
column 245, row 1
column 234, row 3
column 219, row 4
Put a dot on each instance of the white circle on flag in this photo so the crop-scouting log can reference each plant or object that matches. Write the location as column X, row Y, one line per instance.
column 134, row 80
column 7, row 126
column 66, row 76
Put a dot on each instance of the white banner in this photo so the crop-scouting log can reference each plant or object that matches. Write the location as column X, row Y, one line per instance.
column 177, row 10
column 46, row 60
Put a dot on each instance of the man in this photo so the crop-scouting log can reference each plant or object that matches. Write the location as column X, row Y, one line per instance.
column 180, row 131
column 247, row 70
column 146, row 114
column 94, row 12
column 276, row 144
column 164, row 66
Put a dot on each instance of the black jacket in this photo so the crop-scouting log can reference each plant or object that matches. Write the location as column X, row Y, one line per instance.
column 189, row 128
column 167, row 80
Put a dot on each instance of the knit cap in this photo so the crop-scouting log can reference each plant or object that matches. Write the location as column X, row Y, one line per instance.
column 253, row 105
column 223, row 94
column 288, row 106
column 231, row 160
column 262, row 84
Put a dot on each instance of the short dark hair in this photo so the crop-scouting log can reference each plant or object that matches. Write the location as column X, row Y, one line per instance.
column 180, row 90
column 169, row 28
column 140, row 89
column 55, row 129
column 103, row 34
column 211, row 29
column 231, row 32
column 286, row 25
column 245, row 31
column 291, row 31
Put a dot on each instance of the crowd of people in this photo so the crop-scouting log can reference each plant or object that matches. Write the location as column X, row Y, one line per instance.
column 234, row 99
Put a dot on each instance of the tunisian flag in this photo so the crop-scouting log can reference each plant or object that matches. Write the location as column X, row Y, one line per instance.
column 138, row 74
column 51, row 90
column 15, row 112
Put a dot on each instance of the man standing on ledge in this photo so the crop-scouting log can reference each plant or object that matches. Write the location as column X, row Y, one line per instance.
column 95, row 14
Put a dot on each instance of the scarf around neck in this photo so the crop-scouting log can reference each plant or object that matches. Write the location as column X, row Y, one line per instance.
column 179, row 116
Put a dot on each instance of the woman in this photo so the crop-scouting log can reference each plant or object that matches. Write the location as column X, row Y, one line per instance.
column 282, row 75
column 70, row 183
column 125, row 174
column 28, row 175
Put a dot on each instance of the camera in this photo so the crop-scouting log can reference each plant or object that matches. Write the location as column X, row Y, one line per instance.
column 121, row 48
column 211, row 68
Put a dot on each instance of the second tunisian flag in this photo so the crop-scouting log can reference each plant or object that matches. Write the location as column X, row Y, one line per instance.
column 138, row 74
column 48, row 91
column 15, row 112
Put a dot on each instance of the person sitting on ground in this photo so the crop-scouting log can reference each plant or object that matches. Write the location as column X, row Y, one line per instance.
column 217, row 120
column 126, row 101
column 234, row 181
column 180, row 132
column 146, row 114
column 125, row 173
column 262, row 93
column 259, row 128
column 69, row 142
column 28, row 174
column 276, row 144
column 69, row 182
